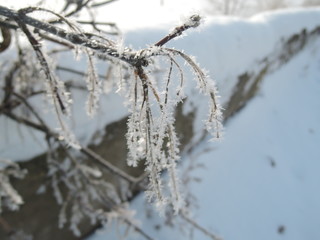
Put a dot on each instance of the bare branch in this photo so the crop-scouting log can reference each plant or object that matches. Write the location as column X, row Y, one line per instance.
column 103, row 3
column 6, row 36
column 199, row 227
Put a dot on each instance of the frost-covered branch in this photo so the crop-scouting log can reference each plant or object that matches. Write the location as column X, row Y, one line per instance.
column 75, row 38
column 9, row 197
column 151, row 136
column 192, row 22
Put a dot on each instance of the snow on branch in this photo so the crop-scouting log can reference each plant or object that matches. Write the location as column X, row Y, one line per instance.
column 151, row 132
column 192, row 22
column 9, row 197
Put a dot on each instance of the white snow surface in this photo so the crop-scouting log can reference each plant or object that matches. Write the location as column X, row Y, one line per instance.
column 261, row 181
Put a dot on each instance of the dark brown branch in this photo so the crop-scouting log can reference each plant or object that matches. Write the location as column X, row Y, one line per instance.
column 108, row 165
column 26, row 122
column 61, row 68
column 199, row 227
column 8, row 88
column 55, row 40
column 95, row 26
column 103, row 3
column 193, row 22
column 8, row 25
column 42, row 60
column 6, row 36
column 80, row 6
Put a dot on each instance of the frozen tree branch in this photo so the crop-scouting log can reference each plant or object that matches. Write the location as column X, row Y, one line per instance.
column 192, row 22
column 151, row 135
column 75, row 38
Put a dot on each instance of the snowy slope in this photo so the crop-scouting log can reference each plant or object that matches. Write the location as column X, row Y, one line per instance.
column 260, row 182
column 249, row 198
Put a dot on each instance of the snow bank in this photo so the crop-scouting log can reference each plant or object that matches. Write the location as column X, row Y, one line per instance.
column 261, row 181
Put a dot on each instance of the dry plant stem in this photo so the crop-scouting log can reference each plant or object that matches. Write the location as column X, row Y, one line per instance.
column 6, row 36
column 95, row 27
column 139, row 230
column 79, row 7
column 61, row 68
column 8, row 25
column 111, row 204
column 58, row 41
column 179, row 30
column 108, row 165
column 36, row 46
column 113, row 169
column 8, row 88
column 197, row 226
column 102, row 3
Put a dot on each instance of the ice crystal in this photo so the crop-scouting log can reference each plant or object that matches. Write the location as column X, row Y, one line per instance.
column 94, row 87
column 9, row 197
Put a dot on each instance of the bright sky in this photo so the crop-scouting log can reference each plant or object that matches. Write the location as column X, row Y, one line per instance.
column 137, row 13
column 133, row 14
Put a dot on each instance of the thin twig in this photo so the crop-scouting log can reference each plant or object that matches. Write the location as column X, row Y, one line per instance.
column 43, row 128
column 108, row 165
column 102, row 3
column 61, row 68
column 193, row 22
column 197, row 226
column 6, row 38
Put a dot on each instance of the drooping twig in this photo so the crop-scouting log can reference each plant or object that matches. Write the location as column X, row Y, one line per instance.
column 6, row 36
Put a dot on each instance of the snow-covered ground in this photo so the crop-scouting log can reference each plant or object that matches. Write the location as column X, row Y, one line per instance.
column 260, row 182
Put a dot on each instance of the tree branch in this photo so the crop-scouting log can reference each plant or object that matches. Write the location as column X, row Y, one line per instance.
column 193, row 22
column 6, row 36
column 43, row 128
column 75, row 38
